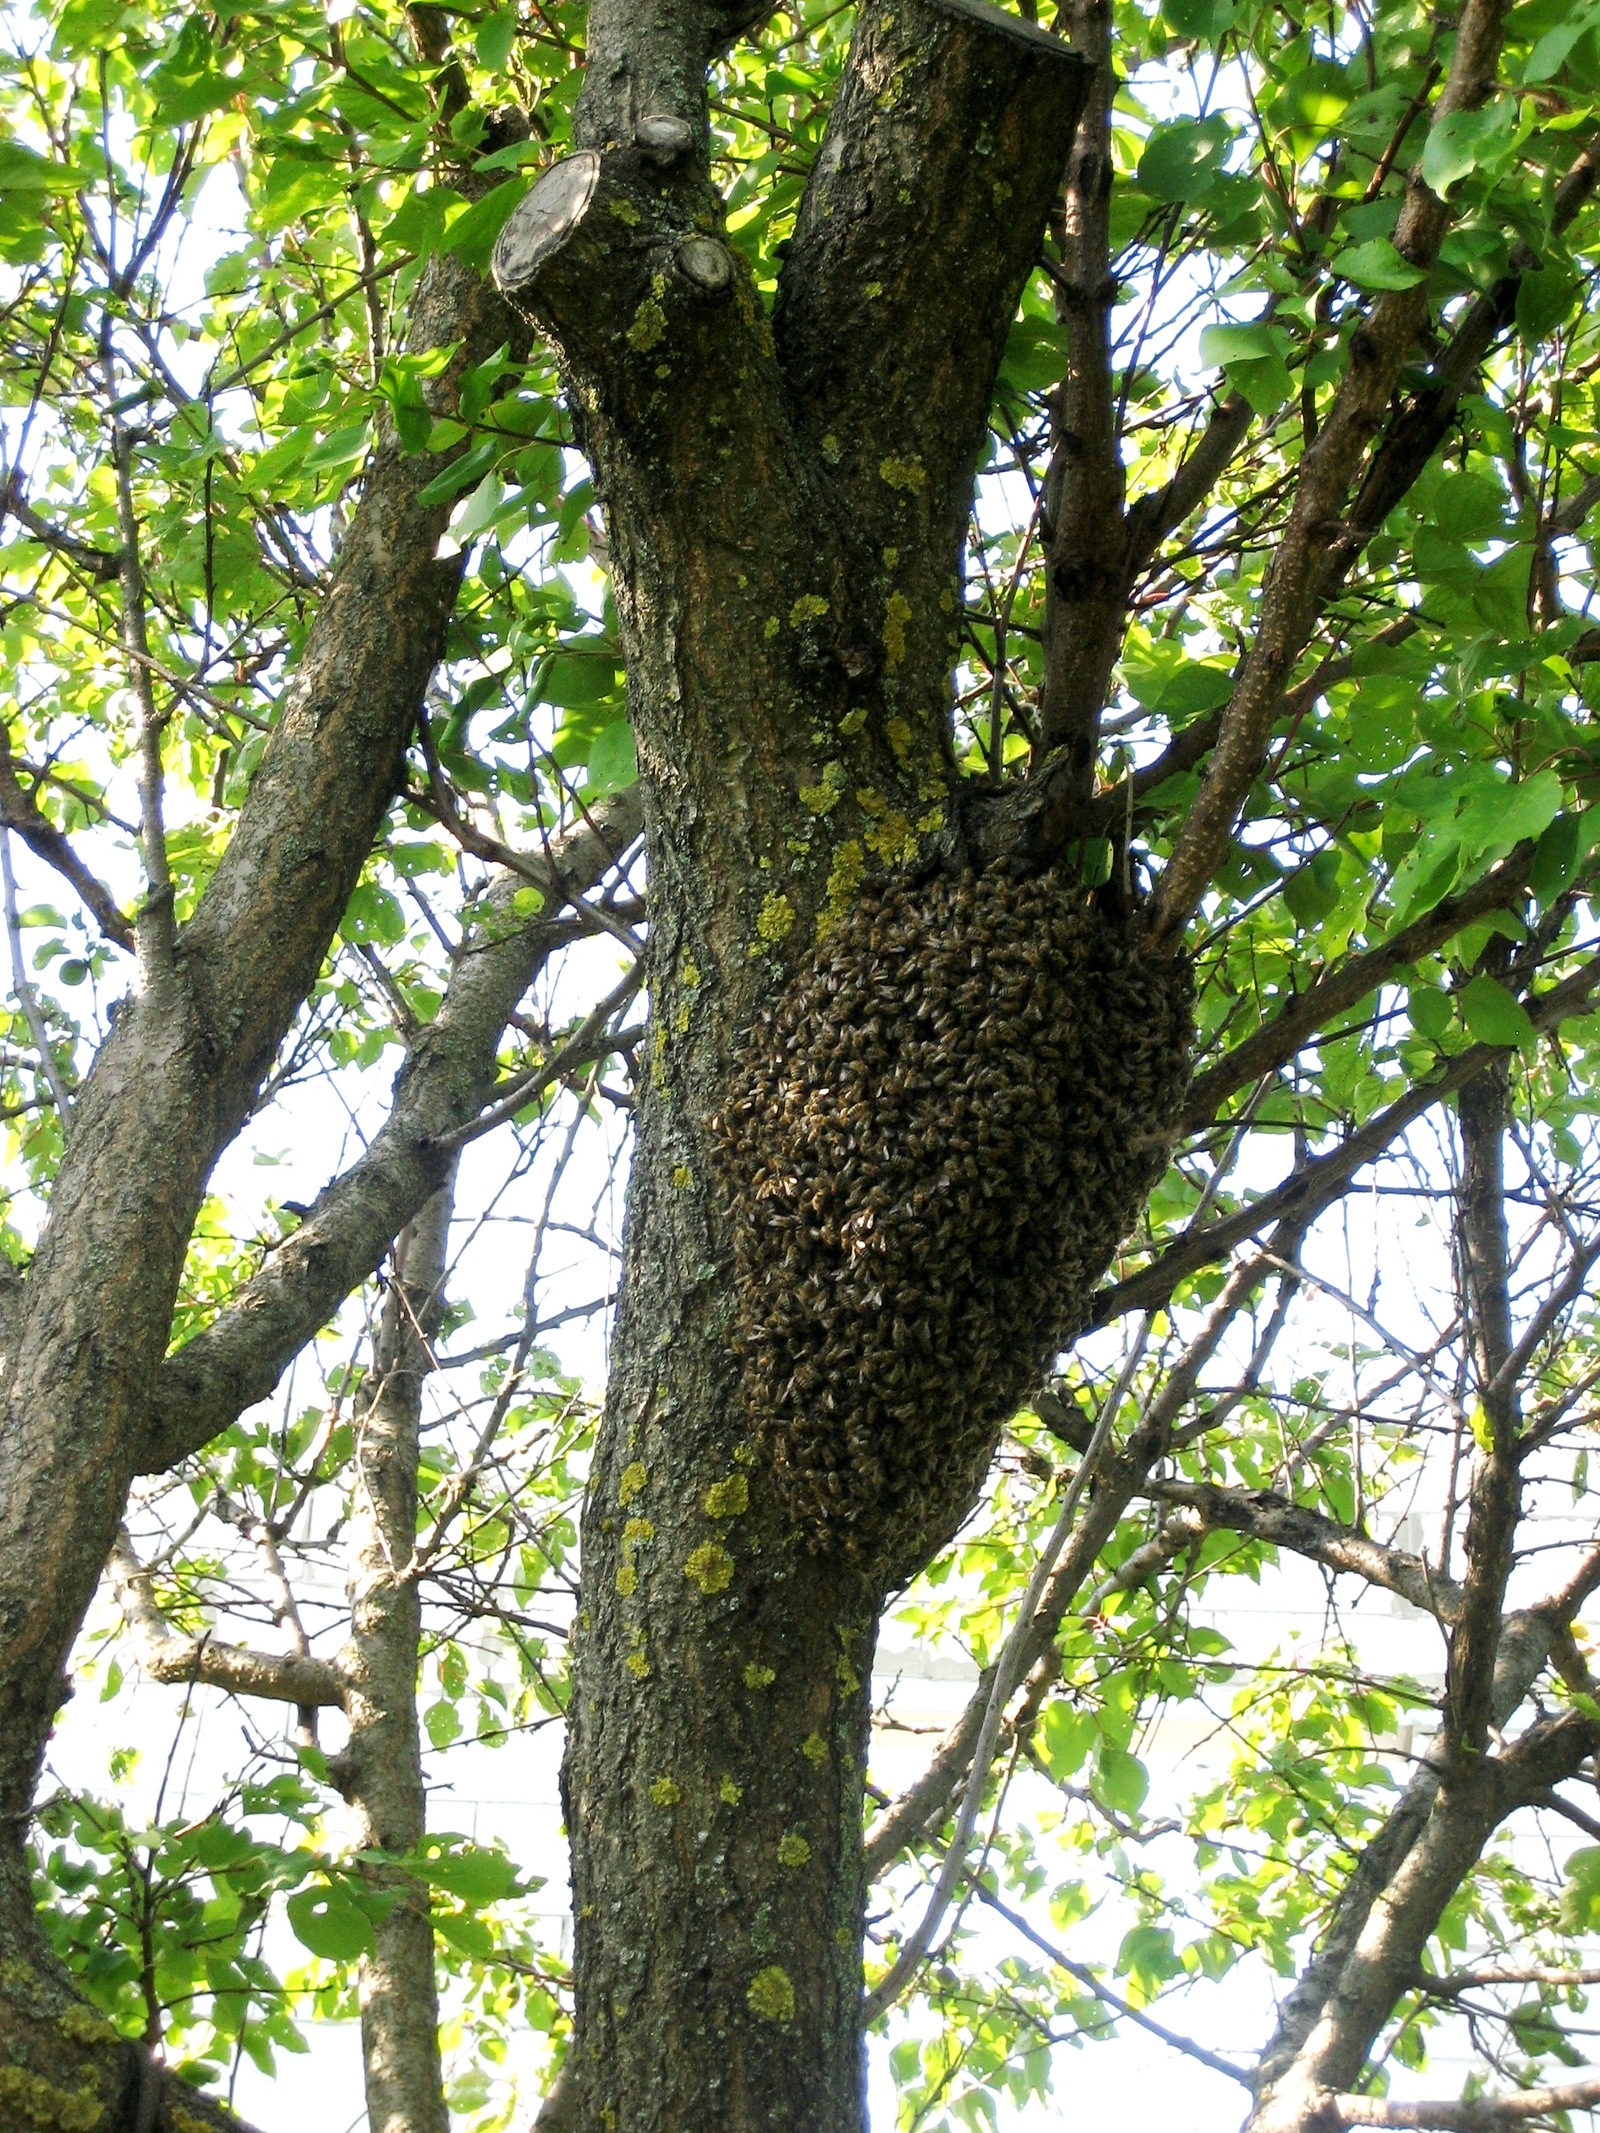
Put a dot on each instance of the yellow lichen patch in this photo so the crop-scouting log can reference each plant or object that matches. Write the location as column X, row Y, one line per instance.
column 849, row 1679
column 793, row 1850
column 635, row 1477
column 830, row 449
column 745, row 1454
column 844, row 879
column 872, row 288
column 665, row 1791
column 823, row 798
column 771, row 1994
column 682, row 1176
column 775, row 920
column 899, row 733
column 810, row 607
column 627, row 1581
column 709, row 1568
column 625, row 211
column 15, row 1976
column 649, row 328
column 680, row 1021
column 85, row 2025
column 908, row 474
column 771, row 627
column 896, row 614
column 637, row 1530
column 870, row 801
column 815, row 1749
column 638, row 1666
column 33, row 2102
column 930, row 822
column 947, row 602
column 893, row 839
column 729, row 1793
column 758, row 1677
column 729, row 1498
column 688, row 972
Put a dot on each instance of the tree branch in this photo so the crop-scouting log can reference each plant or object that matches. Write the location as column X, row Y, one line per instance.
column 1315, row 537
column 1495, row 1495
column 448, row 1076
column 1337, row 991
column 1086, row 573
column 921, row 220
column 1482, row 2114
column 167, row 1655
column 1315, row 1183
column 20, row 811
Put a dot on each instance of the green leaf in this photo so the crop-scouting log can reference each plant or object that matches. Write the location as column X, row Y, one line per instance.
column 1461, row 140
column 470, row 237
column 1549, row 55
column 1184, row 158
column 1035, row 357
column 462, row 473
column 575, row 677
column 479, row 512
column 1430, row 1011
column 495, row 38
column 1580, row 1900
column 474, row 1874
column 1560, row 853
column 442, row 1723
column 1375, row 265
column 1312, row 892
column 613, row 766
column 1121, row 1780
column 1200, row 18
column 1545, row 297
column 1238, row 344
column 329, row 1923
column 1065, row 1738
column 1492, row 1016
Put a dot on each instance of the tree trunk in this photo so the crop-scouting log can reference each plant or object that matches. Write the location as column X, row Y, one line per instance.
column 380, row 1769
column 845, row 1257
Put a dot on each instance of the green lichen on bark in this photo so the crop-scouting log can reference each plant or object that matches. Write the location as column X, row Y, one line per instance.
column 771, row 1994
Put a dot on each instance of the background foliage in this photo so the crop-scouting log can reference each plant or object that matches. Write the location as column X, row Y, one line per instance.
column 212, row 225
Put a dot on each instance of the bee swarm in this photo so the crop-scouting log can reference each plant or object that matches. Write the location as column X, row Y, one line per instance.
column 936, row 1137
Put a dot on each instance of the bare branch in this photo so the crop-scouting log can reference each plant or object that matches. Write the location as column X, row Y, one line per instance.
column 20, row 811
column 1481, row 2115
column 168, row 1655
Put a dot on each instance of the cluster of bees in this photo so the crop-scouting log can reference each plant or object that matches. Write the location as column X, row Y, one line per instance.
column 936, row 1137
